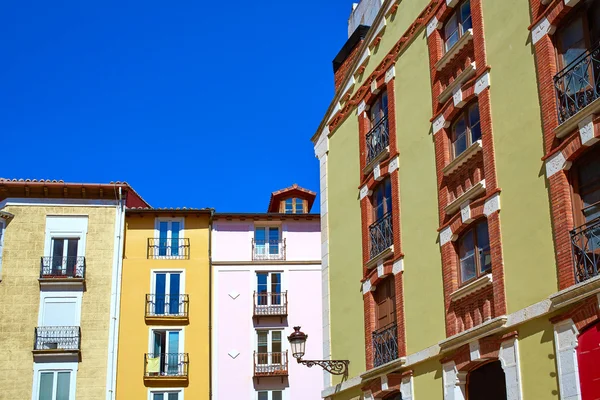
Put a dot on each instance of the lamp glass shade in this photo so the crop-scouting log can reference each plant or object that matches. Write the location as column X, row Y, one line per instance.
column 297, row 342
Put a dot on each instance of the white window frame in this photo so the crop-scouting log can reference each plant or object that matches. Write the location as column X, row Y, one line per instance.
column 179, row 391
column 168, row 329
column 38, row 368
column 153, row 273
column 267, row 228
column 68, row 227
column 270, row 393
column 270, row 339
column 157, row 222
column 269, row 285
column 60, row 295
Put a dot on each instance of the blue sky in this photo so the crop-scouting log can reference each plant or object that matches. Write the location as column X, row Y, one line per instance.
column 194, row 103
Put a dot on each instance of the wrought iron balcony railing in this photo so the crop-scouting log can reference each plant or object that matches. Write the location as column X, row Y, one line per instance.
column 586, row 250
column 166, row 305
column 65, row 338
column 381, row 235
column 378, row 139
column 62, row 267
column 578, row 84
column 173, row 249
column 270, row 304
column 385, row 345
column 270, row 364
column 266, row 250
column 166, row 365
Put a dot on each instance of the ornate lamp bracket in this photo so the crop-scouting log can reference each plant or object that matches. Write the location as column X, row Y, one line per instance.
column 334, row 367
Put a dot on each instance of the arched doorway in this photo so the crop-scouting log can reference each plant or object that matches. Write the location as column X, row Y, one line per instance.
column 487, row 382
column 588, row 356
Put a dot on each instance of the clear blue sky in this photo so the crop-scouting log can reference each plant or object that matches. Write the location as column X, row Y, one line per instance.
column 194, row 103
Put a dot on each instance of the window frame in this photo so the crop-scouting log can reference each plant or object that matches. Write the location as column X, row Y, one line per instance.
column 386, row 204
column 270, row 393
column 392, row 298
column 577, row 201
column 39, row 368
column 270, row 286
column 168, row 272
column 295, row 201
column 167, row 329
column 385, row 111
column 478, row 271
column 464, row 116
column 456, row 13
column 152, row 391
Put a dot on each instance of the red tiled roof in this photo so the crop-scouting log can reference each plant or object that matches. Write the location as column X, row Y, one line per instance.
column 292, row 191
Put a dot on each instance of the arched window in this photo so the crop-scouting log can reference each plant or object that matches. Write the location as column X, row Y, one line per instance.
column 475, row 257
column 487, row 382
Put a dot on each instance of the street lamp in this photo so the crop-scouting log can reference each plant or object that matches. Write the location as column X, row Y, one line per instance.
column 298, row 343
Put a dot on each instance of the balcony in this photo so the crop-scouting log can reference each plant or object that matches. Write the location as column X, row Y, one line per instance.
column 62, row 270
column 381, row 236
column 169, row 249
column 165, row 367
column 167, row 309
column 385, row 345
column 378, row 140
column 270, row 365
column 270, row 305
column 578, row 84
column 57, row 342
column 585, row 241
column 268, row 250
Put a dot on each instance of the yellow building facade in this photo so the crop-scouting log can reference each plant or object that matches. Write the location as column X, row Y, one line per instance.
column 164, row 337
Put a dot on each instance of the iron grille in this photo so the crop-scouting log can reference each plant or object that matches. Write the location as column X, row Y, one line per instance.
column 578, row 84
column 62, row 267
column 173, row 249
column 269, row 364
column 385, row 345
column 57, row 338
column 378, row 139
column 266, row 304
column 166, row 305
column 166, row 364
column 381, row 234
column 265, row 250
column 586, row 250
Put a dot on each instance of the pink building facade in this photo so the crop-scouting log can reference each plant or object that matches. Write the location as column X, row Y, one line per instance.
column 266, row 279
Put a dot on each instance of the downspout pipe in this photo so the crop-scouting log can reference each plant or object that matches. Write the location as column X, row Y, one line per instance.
column 210, row 307
column 115, row 300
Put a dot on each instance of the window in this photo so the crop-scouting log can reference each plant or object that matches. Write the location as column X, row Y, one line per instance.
column 63, row 253
column 474, row 252
column 466, row 130
column 268, row 288
column 379, row 109
column 166, row 358
column 587, row 189
column 55, row 385
column 166, row 395
column 270, row 395
column 382, row 199
column 579, row 34
column 170, row 233
column 268, row 347
column 266, row 241
column 385, row 300
column 293, row 206
column 458, row 23
column 167, row 294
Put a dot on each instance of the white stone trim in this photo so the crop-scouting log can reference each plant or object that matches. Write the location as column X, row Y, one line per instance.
column 471, row 193
column 393, row 165
column 366, row 287
column 586, row 131
column 374, row 86
column 398, row 266
column 474, row 353
column 509, row 358
column 322, row 146
column 364, row 192
column 368, row 395
column 451, row 3
column 472, row 287
column 492, row 205
column 348, row 86
column 433, row 25
column 465, row 212
column 390, row 74
column 406, row 388
column 384, row 382
column 541, row 29
column 556, row 163
column 438, row 124
column 565, row 342
column 362, row 106
column 482, row 83
column 571, row 3
column 380, row 269
column 377, row 173
column 445, row 236
column 457, row 97
column 454, row 389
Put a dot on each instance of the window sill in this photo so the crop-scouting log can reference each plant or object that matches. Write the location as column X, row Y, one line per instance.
column 60, row 355
column 486, row 329
column 576, row 293
column 460, row 79
column 63, row 283
column 470, row 288
column 572, row 123
column 381, row 156
column 474, row 191
column 167, row 319
column 453, row 52
column 459, row 161
column 380, row 257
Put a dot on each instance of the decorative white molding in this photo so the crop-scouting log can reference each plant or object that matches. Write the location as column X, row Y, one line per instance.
column 471, row 193
column 394, row 165
column 368, row 395
column 492, row 205
column 398, row 266
column 472, row 287
column 366, row 287
column 348, row 86
column 364, row 192
column 466, row 38
column 482, row 83
column 453, row 388
column 541, row 29
column 462, row 158
column 384, row 382
column 465, row 212
column 362, row 106
column 322, row 146
column 509, row 358
column 488, row 328
column 586, row 131
column 433, row 25
column 556, row 163
column 565, row 341
column 439, row 123
column 406, row 388
column 457, row 97
column 377, row 173
column 575, row 293
column 233, row 294
column 363, row 60
column 452, row 3
column 571, row 3
column 233, row 353
column 380, row 269
column 465, row 75
column 474, row 353
column 445, row 236
column 390, row 74
column 378, row 31
column 374, row 86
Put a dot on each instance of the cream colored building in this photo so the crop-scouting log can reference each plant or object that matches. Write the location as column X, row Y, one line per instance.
column 60, row 267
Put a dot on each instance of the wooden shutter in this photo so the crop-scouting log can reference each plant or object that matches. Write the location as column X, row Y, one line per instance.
column 385, row 301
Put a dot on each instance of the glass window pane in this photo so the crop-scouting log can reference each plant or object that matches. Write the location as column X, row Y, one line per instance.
column 451, row 32
column 466, row 250
column 259, row 235
column 263, row 395
column 262, row 340
column 465, row 16
column 276, row 395
column 274, row 234
column 158, row 396
column 474, row 124
column 460, row 137
column 299, row 206
column 289, row 206
column 63, row 384
column 173, row 396
column 262, row 282
column 483, row 246
column 46, row 385
column 58, row 247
